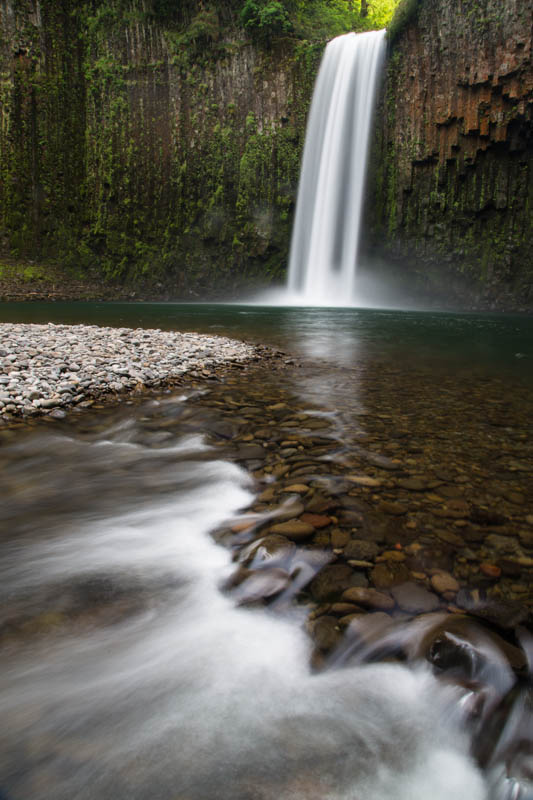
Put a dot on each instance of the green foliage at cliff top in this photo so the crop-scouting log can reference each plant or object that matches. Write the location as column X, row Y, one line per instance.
column 314, row 19
column 405, row 13
column 266, row 20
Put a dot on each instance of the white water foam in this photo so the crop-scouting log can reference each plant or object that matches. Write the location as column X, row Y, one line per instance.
column 193, row 698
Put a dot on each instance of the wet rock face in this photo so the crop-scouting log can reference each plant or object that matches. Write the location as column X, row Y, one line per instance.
column 452, row 167
column 214, row 137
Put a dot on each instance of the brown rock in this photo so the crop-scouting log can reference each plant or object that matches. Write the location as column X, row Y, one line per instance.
column 332, row 580
column 516, row 497
column 365, row 480
column 318, row 504
column 352, row 518
column 389, row 573
column 293, row 529
column 296, row 488
column 450, row 491
column 250, row 452
column 369, row 627
column 451, row 538
column 243, row 525
column 483, row 516
column 342, row 609
column 370, row 598
column 289, row 511
column 490, row 570
column 339, row 538
column 443, row 582
column 316, row 520
column 415, row 599
column 396, row 509
column 267, row 495
column 361, row 550
column 413, row 484
column 526, row 538
column 325, row 632
column 391, row 555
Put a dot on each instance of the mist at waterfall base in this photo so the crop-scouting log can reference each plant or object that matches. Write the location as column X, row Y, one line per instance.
column 191, row 697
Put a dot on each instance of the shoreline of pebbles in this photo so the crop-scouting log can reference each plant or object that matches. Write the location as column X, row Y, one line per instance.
column 48, row 369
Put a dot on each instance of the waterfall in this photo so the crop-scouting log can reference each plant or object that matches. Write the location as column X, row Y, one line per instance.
column 327, row 226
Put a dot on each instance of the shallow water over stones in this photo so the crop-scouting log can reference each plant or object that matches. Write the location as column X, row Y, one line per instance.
column 391, row 513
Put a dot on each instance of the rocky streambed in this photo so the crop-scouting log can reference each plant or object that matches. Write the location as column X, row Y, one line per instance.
column 45, row 369
column 397, row 513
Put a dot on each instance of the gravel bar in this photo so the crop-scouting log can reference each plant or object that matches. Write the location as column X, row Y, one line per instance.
column 45, row 369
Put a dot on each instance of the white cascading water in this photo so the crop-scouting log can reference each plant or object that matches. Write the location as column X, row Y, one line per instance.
column 326, row 232
column 190, row 698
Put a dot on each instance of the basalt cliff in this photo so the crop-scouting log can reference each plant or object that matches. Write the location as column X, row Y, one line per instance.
column 156, row 145
column 157, row 148
column 450, row 214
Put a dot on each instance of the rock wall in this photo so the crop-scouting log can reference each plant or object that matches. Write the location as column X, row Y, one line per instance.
column 452, row 171
column 162, row 148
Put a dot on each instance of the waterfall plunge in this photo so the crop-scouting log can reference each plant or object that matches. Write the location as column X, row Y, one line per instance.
column 330, row 196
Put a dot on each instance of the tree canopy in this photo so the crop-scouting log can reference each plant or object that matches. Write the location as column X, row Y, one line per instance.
column 314, row 18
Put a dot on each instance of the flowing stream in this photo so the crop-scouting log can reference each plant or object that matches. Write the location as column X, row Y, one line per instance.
column 128, row 668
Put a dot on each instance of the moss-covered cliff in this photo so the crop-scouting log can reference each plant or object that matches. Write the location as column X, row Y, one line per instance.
column 149, row 139
column 452, row 173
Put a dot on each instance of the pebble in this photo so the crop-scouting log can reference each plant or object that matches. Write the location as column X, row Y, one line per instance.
column 415, row 599
column 290, row 511
column 443, row 582
column 296, row 488
column 52, row 367
column 325, row 633
column 396, row 509
column 361, row 550
column 316, row 520
column 364, row 480
column 293, row 529
column 334, row 579
column 490, row 570
column 370, row 598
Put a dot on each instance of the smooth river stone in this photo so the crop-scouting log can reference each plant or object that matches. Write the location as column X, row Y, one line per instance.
column 289, row 511
column 293, row 529
column 325, row 633
column 365, row 480
column 316, row 520
column 250, row 452
column 395, row 509
column 369, row 598
column 443, row 582
column 332, row 580
column 389, row 573
column 296, row 488
column 361, row 550
column 414, row 598
column 339, row 538
column 413, row 484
